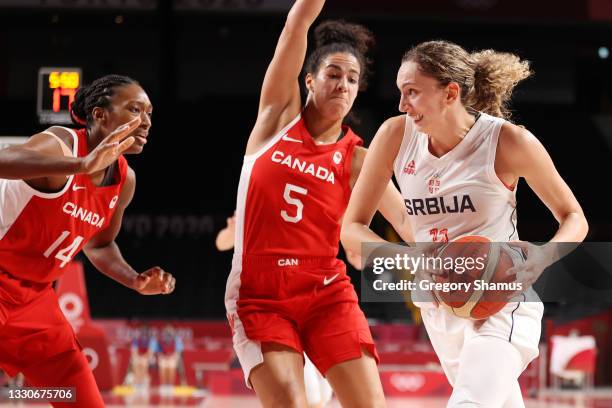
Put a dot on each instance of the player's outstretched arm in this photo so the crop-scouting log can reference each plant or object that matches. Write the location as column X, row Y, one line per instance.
column 105, row 255
column 280, row 93
column 42, row 156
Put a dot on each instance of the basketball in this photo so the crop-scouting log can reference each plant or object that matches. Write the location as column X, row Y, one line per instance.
column 475, row 284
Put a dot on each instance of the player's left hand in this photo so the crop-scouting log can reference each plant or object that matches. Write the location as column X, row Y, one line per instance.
column 537, row 259
column 154, row 281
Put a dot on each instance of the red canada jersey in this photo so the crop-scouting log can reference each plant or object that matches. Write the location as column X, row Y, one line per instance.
column 293, row 193
column 41, row 232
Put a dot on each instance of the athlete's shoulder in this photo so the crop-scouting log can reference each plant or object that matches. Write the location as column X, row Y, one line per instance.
column 130, row 178
column 128, row 189
column 515, row 138
column 517, row 147
column 359, row 155
column 60, row 131
column 53, row 141
column 391, row 129
column 395, row 123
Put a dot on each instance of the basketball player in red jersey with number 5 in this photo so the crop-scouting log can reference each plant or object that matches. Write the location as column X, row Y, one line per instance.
column 287, row 292
column 60, row 192
column 458, row 160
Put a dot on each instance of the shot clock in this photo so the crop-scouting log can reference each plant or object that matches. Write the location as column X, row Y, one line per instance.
column 56, row 90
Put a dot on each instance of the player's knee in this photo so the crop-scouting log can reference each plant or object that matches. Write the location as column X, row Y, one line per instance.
column 290, row 395
column 286, row 401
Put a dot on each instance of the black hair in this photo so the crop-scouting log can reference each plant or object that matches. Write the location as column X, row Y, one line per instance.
column 340, row 36
column 97, row 94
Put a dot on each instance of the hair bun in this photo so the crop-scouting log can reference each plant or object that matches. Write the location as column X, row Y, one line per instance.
column 340, row 31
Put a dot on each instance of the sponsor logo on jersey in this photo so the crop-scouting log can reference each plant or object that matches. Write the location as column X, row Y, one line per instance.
column 83, row 214
column 440, row 205
column 303, row 166
column 77, row 188
column 410, row 168
column 433, row 184
column 113, row 202
column 286, row 138
column 327, row 281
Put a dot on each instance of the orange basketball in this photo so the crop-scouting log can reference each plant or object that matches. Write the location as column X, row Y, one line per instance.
column 475, row 285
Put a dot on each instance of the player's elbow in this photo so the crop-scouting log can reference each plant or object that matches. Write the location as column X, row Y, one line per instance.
column 583, row 225
column 578, row 222
column 347, row 236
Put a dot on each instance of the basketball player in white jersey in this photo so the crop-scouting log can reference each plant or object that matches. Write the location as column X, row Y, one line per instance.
column 458, row 161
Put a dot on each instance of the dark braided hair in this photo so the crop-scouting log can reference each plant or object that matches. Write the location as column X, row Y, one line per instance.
column 97, row 94
column 340, row 36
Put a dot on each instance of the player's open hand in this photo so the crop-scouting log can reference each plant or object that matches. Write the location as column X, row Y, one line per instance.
column 538, row 258
column 110, row 148
column 154, row 281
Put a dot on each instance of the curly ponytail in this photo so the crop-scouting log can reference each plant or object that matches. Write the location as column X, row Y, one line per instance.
column 495, row 76
column 486, row 78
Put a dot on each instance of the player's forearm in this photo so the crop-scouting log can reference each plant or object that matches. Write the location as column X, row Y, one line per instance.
column 108, row 260
column 354, row 234
column 392, row 207
column 304, row 13
column 21, row 163
column 572, row 230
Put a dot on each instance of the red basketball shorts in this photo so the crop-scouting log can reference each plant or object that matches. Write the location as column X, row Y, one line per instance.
column 307, row 304
column 37, row 340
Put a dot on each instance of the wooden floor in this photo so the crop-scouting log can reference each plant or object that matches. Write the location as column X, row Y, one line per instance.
column 599, row 398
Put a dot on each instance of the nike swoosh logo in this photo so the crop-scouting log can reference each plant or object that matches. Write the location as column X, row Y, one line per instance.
column 330, row 280
column 290, row 139
column 76, row 188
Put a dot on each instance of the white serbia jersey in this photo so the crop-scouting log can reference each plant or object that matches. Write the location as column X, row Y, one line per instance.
column 459, row 193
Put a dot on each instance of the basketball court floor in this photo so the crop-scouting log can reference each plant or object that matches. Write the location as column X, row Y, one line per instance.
column 576, row 400
column 600, row 398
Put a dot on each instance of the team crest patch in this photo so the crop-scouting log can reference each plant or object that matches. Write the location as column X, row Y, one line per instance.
column 337, row 157
column 410, row 168
column 113, row 202
column 433, row 184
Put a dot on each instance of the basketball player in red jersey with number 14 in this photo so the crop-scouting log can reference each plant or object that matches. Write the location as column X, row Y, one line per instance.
column 61, row 191
column 287, row 292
